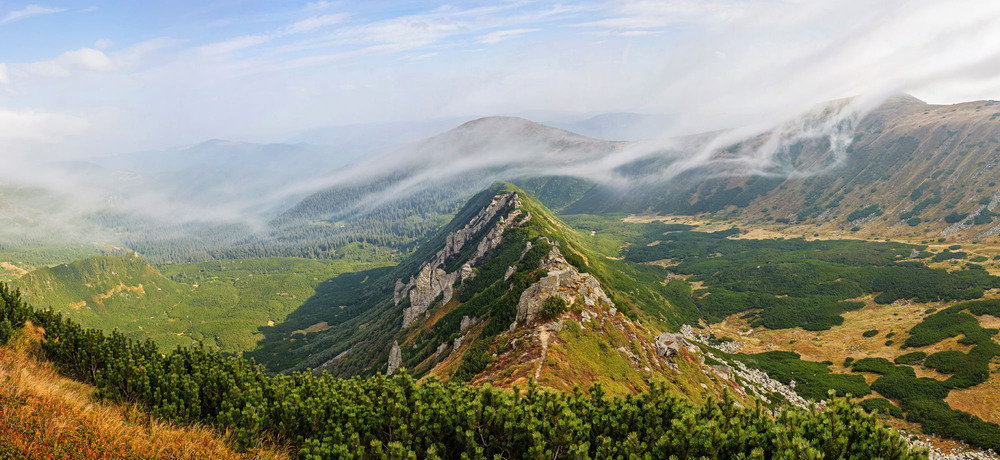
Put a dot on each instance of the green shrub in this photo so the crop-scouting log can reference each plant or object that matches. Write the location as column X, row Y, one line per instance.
column 874, row 365
column 870, row 333
column 882, row 406
column 576, row 260
column 864, row 212
column 914, row 358
column 552, row 308
column 6, row 331
column 983, row 218
column 954, row 218
column 947, row 255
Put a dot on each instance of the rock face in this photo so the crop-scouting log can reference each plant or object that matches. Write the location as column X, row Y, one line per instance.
column 395, row 358
column 563, row 280
column 432, row 280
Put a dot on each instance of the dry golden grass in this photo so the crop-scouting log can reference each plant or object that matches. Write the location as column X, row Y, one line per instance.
column 45, row 415
column 982, row 400
column 837, row 343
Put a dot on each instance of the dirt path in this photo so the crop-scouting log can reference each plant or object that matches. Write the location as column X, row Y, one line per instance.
column 544, row 337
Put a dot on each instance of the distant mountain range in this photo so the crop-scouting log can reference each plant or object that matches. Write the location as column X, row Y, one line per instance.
column 904, row 167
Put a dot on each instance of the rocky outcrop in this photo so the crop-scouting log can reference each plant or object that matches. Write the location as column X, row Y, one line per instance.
column 427, row 285
column 563, row 280
column 467, row 323
column 432, row 280
column 395, row 358
column 668, row 344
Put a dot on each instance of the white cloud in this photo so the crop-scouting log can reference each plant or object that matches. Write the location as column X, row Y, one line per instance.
column 84, row 59
column 29, row 12
column 316, row 22
column 232, row 45
column 4, row 79
column 501, row 35
column 416, row 57
column 319, row 5
column 104, row 43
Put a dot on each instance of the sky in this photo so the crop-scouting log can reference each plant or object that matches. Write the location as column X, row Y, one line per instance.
column 92, row 77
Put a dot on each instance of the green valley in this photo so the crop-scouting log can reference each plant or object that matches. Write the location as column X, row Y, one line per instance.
column 221, row 303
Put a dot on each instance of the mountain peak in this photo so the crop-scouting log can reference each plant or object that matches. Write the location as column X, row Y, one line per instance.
column 902, row 100
column 506, row 126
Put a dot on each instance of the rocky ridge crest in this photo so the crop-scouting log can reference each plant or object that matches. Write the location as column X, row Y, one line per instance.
column 562, row 280
column 432, row 280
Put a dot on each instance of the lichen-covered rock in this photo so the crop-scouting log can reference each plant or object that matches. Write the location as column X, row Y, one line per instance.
column 395, row 358
column 563, row 280
column 668, row 344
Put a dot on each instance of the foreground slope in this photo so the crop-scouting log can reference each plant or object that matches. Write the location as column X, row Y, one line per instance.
column 46, row 415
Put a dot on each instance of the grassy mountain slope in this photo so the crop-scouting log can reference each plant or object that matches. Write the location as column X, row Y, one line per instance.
column 46, row 415
column 221, row 303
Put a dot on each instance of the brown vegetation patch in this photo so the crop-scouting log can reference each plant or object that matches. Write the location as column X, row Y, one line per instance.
column 320, row 326
column 982, row 400
column 18, row 271
column 100, row 298
column 989, row 322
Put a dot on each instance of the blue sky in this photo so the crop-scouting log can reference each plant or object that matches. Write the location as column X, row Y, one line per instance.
column 87, row 77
